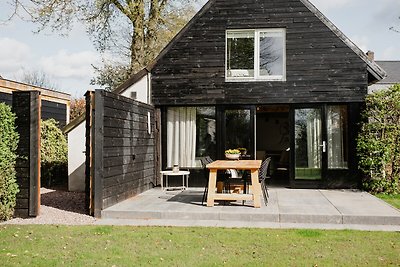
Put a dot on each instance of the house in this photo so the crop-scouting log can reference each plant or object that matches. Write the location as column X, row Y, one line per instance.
column 137, row 87
column 54, row 104
column 392, row 68
column 274, row 77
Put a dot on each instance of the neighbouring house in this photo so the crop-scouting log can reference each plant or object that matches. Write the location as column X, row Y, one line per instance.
column 392, row 68
column 276, row 78
column 137, row 87
column 54, row 104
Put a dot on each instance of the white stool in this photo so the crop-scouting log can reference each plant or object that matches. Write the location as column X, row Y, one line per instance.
column 185, row 177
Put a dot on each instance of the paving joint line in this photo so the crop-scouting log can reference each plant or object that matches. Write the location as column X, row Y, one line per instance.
column 341, row 214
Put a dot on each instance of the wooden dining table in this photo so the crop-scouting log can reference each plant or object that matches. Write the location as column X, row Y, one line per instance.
column 252, row 165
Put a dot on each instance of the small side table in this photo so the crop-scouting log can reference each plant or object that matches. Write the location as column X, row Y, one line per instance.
column 185, row 177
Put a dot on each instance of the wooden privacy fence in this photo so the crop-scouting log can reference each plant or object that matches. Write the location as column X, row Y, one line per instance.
column 27, row 107
column 120, row 149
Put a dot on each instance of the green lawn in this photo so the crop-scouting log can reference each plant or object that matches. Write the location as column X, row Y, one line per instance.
column 174, row 246
column 393, row 200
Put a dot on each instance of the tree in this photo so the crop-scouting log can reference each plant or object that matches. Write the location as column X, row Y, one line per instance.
column 38, row 78
column 77, row 107
column 134, row 31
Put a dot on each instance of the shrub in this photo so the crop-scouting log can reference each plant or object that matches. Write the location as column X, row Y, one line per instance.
column 78, row 107
column 8, row 145
column 53, row 154
column 378, row 142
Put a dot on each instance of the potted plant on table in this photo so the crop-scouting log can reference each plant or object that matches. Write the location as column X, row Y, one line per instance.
column 243, row 151
column 232, row 154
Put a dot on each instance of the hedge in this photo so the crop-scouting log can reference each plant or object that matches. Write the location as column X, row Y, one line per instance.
column 53, row 154
column 378, row 144
column 8, row 144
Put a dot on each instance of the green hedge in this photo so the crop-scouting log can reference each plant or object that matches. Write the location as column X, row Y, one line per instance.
column 378, row 144
column 53, row 154
column 8, row 145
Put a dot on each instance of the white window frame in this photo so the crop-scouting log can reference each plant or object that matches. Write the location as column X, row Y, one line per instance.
column 257, row 76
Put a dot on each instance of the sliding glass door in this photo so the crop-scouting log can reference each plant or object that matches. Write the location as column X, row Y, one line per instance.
column 308, row 143
column 320, row 141
column 236, row 129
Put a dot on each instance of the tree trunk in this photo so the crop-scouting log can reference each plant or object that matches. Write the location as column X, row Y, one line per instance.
column 137, row 44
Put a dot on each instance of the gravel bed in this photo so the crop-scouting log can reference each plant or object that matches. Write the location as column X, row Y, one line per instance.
column 59, row 207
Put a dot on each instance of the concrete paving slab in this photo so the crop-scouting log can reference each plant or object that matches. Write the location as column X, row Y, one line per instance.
column 287, row 207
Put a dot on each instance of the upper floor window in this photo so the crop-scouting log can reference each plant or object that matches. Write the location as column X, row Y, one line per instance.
column 255, row 55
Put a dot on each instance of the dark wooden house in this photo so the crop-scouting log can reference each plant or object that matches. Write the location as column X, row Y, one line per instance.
column 275, row 77
column 54, row 104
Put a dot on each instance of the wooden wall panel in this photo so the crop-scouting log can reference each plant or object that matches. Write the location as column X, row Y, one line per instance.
column 26, row 105
column 320, row 67
column 123, row 149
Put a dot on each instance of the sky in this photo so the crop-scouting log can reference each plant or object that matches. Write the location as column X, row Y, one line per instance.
column 68, row 60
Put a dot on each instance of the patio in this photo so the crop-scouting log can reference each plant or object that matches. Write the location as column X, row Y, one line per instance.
column 305, row 208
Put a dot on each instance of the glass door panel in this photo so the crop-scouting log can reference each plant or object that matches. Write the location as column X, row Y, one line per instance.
column 238, row 125
column 235, row 129
column 308, row 143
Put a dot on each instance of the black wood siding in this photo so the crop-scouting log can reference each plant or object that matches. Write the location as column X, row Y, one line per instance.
column 50, row 109
column 319, row 66
column 26, row 106
column 124, row 151
column 53, row 110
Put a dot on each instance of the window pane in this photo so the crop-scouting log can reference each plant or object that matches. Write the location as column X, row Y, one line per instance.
column 205, row 132
column 271, row 53
column 337, row 137
column 238, row 125
column 308, row 138
column 240, row 53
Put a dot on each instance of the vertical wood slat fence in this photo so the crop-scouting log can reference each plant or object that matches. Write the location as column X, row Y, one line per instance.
column 27, row 107
column 120, row 148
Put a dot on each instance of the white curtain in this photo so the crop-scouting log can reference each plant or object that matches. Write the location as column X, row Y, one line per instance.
column 181, row 136
column 314, row 139
column 336, row 154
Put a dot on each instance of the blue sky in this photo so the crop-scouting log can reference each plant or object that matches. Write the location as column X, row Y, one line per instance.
column 68, row 60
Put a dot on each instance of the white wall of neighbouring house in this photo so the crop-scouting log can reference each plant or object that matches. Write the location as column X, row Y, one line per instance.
column 76, row 158
column 378, row 87
column 142, row 89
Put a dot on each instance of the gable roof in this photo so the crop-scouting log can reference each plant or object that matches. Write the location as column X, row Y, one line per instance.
column 392, row 69
column 119, row 90
column 373, row 69
column 375, row 72
column 8, row 86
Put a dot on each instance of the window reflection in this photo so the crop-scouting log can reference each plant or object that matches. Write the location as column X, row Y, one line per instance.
column 206, row 132
column 240, row 54
column 271, row 54
column 238, row 125
column 337, row 137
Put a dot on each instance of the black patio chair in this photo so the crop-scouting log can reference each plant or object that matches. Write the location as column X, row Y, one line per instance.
column 262, row 176
column 204, row 161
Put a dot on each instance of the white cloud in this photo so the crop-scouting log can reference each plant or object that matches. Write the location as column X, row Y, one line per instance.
column 65, row 64
column 14, row 56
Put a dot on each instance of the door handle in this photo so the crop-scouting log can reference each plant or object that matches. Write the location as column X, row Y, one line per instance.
column 323, row 146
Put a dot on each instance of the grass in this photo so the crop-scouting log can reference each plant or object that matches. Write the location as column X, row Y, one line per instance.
column 393, row 200
column 174, row 246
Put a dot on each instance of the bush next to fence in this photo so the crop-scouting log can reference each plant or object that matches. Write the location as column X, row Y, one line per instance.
column 53, row 154
column 8, row 145
column 378, row 142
